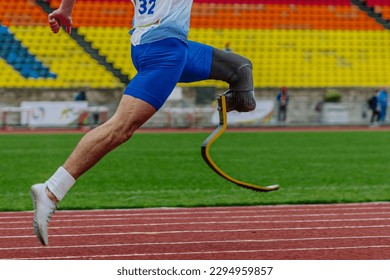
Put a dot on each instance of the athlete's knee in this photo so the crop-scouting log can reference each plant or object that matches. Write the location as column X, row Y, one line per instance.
column 243, row 71
column 123, row 135
column 131, row 114
column 119, row 132
column 125, row 131
column 245, row 63
column 232, row 68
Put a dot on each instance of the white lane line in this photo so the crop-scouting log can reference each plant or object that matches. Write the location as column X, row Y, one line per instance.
column 120, row 217
column 210, row 252
column 196, row 242
column 210, row 210
column 197, row 223
column 199, row 231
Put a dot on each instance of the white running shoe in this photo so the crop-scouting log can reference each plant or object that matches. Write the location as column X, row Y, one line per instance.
column 44, row 208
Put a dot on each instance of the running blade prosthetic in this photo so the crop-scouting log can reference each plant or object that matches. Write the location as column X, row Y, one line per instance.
column 214, row 136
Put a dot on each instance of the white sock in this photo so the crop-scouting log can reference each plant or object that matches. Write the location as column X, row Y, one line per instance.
column 60, row 183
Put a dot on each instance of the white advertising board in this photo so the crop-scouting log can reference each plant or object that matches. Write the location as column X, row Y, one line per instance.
column 52, row 113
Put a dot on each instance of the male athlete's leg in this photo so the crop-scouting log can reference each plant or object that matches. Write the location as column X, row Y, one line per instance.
column 159, row 67
column 130, row 115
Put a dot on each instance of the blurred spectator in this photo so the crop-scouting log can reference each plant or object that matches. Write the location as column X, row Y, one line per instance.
column 227, row 47
column 382, row 103
column 80, row 96
column 373, row 106
column 282, row 99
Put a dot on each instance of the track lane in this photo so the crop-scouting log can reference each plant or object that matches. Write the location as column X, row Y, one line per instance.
column 334, row 231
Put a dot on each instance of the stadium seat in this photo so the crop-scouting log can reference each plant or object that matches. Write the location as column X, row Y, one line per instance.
column 298, row 43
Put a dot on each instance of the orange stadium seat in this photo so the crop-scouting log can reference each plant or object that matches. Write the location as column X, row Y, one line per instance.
column 318, row 41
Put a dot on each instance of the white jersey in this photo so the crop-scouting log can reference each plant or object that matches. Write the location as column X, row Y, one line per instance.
column 155, row 20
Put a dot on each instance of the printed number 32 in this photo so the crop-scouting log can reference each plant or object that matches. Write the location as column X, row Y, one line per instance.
column 147, row 6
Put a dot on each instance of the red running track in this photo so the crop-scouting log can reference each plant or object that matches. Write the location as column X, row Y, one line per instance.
column 288, row 232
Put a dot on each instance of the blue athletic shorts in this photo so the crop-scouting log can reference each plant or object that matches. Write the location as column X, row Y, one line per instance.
column 162, row 64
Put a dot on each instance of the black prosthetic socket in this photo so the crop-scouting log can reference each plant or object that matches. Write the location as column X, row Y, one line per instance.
column 232, row 68
column 236, row 70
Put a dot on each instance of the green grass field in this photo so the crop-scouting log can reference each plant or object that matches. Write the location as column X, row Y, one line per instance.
column 167, row 170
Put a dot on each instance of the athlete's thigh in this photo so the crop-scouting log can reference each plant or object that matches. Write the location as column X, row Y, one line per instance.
column 159, row 66
column 198, row 64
